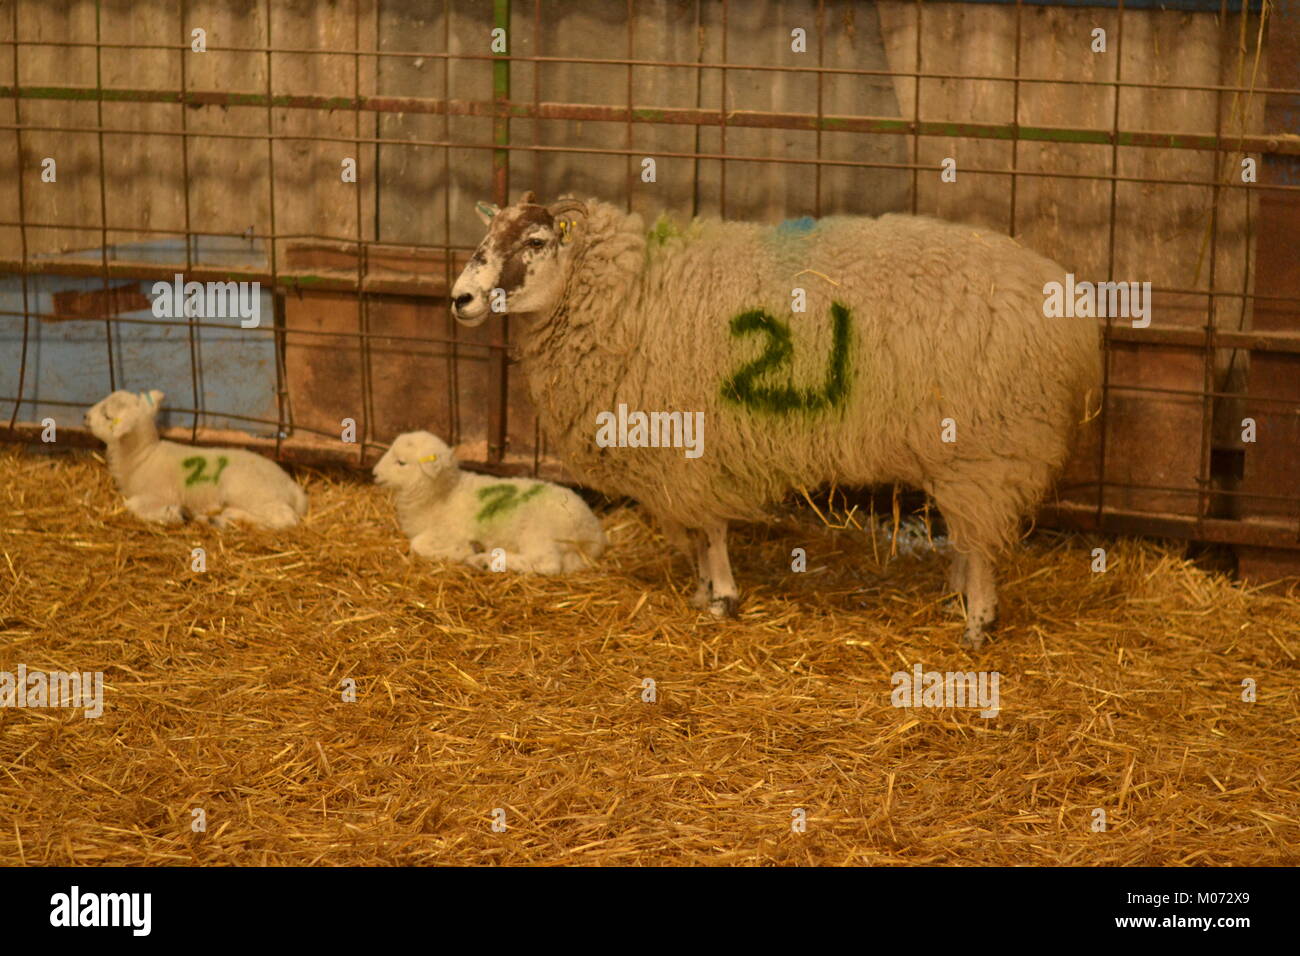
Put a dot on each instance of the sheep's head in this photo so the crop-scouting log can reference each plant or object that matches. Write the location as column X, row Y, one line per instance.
column 520, row 265
column 122, row 412
column 412, row 458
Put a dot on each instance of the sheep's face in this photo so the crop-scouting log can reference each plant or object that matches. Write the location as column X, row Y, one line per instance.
column 413, row 457
column 518, row 267
column 121, row 412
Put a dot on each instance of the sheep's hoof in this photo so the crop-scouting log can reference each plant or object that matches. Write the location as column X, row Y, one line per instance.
column 976, row 632
column 186, row 515
column 703, row 596
column 723, row 607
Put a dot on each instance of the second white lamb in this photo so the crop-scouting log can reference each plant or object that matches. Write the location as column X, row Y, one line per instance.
column 479, row 520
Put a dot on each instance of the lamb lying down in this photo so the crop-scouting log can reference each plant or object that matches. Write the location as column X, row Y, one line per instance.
column 460, row 516
column 170, row 483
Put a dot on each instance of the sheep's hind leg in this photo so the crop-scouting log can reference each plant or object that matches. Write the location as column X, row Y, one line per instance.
column 981, row 600
column 575, row 554
column 981, row 519
column 273, row 517
column 722, row 585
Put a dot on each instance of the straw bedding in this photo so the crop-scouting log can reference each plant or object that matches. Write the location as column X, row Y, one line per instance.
column 223, row 691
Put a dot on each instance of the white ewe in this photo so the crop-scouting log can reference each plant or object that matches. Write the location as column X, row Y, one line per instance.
column 847, row 350
column 461, row 516
column 170, row 483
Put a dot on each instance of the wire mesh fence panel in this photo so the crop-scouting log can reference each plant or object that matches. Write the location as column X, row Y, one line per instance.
column 318, row 166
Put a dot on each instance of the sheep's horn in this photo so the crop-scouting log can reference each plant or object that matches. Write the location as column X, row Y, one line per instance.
column 568, row 206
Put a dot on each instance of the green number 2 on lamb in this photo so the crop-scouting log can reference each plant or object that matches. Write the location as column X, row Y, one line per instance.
column 197, row 466
column 742, row 389
column 499, row 499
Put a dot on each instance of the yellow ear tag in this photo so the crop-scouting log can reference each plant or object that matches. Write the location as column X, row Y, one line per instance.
column 116, row 420
column 566, row 233
column 429, row 458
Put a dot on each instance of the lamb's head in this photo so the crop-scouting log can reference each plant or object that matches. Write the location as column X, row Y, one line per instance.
column 415, row 458
column 521, row 264
column 121, row 413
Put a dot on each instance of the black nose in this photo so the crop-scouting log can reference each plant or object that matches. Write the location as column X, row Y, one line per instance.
column 463, row 300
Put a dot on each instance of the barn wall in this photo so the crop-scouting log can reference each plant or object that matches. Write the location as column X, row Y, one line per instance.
column 144, row 181
column 1067, row 219
column 412, row 197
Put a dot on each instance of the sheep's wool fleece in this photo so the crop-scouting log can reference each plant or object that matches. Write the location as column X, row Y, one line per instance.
column 944, row 321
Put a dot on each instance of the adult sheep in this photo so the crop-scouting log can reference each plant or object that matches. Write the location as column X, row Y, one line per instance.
column 907, row 323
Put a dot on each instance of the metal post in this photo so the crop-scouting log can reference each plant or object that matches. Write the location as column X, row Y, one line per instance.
column 499, row 366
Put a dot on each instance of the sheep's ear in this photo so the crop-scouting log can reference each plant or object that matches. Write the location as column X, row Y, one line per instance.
column 486, row 211
column 567, row 214
column 528, row 198
column 565, row 226
column 430, row 464
column 122, row 424
column 153, row 399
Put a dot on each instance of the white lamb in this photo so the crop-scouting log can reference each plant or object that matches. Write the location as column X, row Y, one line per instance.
column 461, row 516
column 170, row 483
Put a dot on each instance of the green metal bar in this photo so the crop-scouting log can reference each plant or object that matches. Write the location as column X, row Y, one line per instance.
column 502, row 110
column 500, row 102
column 499, row 370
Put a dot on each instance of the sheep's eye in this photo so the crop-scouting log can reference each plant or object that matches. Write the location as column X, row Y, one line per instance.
column 535, row 243
column 400, row 462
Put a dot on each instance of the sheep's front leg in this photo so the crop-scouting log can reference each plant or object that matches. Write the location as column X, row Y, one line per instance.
column 695, row 546
column 957, row 573
column 697, row 549
column 537, row 562
column 155, row 509
column 724, row 597
column 981, row 600
column 430, row 545
column 677, row 534
column 533, row 562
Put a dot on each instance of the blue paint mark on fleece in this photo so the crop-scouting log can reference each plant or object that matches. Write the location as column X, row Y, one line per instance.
column 792, row 226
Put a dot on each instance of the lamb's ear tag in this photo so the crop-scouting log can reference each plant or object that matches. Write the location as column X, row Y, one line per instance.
column 147, row 397
column 486, row 209
column 566, row 231
column 429, row 458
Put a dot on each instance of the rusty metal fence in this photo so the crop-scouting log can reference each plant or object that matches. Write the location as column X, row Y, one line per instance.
column 350, row 297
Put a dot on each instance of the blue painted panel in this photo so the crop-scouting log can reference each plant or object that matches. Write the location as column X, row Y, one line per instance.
column 67, row 360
